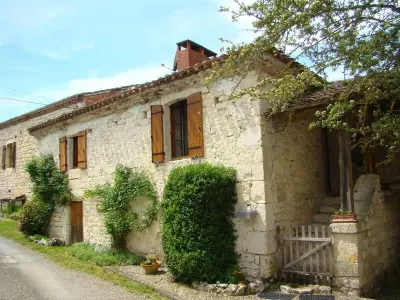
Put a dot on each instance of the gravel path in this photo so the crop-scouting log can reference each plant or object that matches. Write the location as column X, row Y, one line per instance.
column 162, row 283
column 26, row 275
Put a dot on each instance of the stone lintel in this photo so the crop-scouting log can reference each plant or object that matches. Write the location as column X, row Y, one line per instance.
column 345, row 228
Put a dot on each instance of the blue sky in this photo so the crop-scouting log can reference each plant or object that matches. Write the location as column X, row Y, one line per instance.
column 55, row 49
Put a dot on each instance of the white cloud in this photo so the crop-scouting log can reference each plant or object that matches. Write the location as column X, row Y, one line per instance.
column 75, row 86
column 243, row 25
column 93, row 83
column 53, row 55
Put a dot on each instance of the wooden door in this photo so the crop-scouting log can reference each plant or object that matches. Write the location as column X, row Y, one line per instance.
column 76, row 222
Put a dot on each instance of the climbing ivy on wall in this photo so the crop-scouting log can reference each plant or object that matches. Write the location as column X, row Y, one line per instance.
column 119, row 219
column 49, row 188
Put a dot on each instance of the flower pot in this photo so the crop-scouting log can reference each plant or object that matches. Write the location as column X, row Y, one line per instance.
column 150, row 269
column 348, row 218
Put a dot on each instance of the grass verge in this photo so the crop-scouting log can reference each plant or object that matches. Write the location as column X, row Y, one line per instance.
column 63, row 256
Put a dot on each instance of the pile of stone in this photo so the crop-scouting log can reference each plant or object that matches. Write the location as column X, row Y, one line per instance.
column 50, row 242
column 307, row 289
column 231, row 289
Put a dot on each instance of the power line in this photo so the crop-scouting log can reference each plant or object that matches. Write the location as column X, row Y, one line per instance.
column 27, row 101
column 16, row 90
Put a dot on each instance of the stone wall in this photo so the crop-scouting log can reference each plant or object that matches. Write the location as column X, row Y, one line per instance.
column 15, row 181
column 60, row 224
column 122, row 134
column 294, row 176
column 365, row 252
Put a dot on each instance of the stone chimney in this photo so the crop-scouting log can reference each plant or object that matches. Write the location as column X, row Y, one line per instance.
column 190, row 53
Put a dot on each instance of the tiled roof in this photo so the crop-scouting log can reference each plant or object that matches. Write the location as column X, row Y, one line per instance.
column 150, row 85
column 66, row 102
column 320, row 97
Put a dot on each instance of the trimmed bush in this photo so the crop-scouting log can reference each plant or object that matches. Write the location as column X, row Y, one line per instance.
column 35, row 216
column 198, row 232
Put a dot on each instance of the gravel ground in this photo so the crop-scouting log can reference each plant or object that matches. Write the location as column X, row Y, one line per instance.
column 26, row 275
column 162, row 283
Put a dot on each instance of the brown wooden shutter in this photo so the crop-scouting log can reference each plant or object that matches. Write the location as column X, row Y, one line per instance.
column 13, row 154
column 195, row 125
column 157, row 133
column 82, row 150
column 4, row 157
column 63, row 154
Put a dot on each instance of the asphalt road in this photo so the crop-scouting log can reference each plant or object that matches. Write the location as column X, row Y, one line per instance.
column 26, row 275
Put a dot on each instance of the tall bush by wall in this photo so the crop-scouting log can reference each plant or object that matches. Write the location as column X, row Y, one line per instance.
column 49, row 188
column 198, row 231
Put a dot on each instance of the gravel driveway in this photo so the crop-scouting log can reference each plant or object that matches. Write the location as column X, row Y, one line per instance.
column 27, row 275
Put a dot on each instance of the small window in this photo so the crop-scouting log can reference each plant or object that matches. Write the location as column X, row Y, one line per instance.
column 9, row 156
column 179, row 129
column 75, row 146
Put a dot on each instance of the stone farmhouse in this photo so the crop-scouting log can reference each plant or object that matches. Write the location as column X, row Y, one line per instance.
column 288, row 177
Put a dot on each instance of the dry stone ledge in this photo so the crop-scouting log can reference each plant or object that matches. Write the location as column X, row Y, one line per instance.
column 308, row 290
column 231, row 289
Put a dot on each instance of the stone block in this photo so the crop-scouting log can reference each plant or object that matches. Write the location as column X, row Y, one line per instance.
column 256, row 242
column 258, row 192
column 345, row 228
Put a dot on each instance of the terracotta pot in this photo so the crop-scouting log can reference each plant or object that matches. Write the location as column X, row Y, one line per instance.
column 348, row 218
column 150, row 269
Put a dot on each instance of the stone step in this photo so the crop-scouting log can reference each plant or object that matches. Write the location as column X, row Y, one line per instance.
column 331, row 201
column 322, row 218
column 327, row 209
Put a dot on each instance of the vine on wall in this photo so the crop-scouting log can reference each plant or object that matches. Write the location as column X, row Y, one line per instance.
column 119, row 219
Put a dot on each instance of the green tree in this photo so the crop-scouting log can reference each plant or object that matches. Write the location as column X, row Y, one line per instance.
column 359, row 36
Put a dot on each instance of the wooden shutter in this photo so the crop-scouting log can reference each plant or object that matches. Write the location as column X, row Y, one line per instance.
column 195, row 125
column 82, row 150
column 157, row 133
column 63, row 154
column 4, row 157
column 13, row 154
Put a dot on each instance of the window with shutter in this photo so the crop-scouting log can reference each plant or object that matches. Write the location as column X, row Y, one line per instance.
column 63, row 154
column 4, row 157
column 195, row 125
column 81, row 142
column 157, row 133
column 179, row 129
column 13, row 154
column 9, row 155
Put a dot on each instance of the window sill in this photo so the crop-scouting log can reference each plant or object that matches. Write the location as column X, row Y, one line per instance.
column 179, row 158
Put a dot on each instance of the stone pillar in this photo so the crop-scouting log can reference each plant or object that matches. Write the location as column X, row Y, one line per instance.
column 346, row 260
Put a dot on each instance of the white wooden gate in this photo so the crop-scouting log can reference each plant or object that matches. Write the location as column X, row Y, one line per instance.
column 306, row 250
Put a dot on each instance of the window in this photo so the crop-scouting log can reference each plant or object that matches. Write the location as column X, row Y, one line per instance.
column 73, row 152
column 8, row 156
column 186, row 129
column 179, row 129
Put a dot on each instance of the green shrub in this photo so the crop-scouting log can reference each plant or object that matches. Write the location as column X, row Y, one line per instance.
column 102, row 257
column 35, row 217
column 49, row 188
column 50, row 185
column 119, row 220
column 198, row 232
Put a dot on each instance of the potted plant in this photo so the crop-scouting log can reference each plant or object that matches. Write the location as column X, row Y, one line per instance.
column 150, row 265
column 344, row 217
